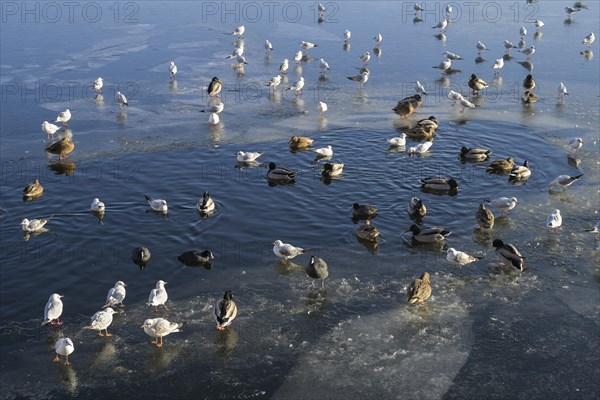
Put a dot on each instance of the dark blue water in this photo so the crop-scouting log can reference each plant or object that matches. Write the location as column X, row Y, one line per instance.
column 484, row 332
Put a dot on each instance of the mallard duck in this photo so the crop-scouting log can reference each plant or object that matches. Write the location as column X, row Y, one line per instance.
column 428, row 235
column 509, row 254
column 363, row 211
column 158, row 296
column 61, row 147
column 116, row 295
column 140, row 256
column 159, row 328
column 332, row 169
column 214, row 87
column 100, row 321
column 367, row 231
column 420, row 132
column 408, row 105
column 34, row 225
column 286, row 251
column 504, row 204
column 419, row 290
column 206, row 204
column 520, row 172
column 454, row 256
column 159, row 205
column 529, row 83
column 194, row 258
column 484, row 217
column 474, row 153
column 439, row 183
column 501, row 166
column 317, row 269
column 63, row 347
column 300, row 142
column 426, row 122
column 562, row 182
column 53, row 310
column 554, row 220
column 476, row 84
column 280, row 173
column 33, row 189
column 529, row 97
column 416, row 208
column 225, row 311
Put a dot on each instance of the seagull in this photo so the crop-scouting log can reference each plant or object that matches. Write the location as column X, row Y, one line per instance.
column 504, row 204
column 101, row 320
column 317, row 269
column 419, row 88
column 454, row 256
column 322, row 107
column 321, row 9
column 562, row 182
column 283, row 67
column 248, row 156
column 159, row 205
column 509, row 45
column 324, row 151
column 448, row 11
column 361, row 79
column 378, row 38
column 53, row 310
column 268, row 47
column 240, row 59
column 307, row 45
column 571, row 10
column 347, row 35
column 575, row 144
column 173, row 70
column 508, row 254
column 97, row 85
column 480, row 47
column 97, row 206
column 116, row 295
column 365, row 57
column 225, row 311
column 49, row 129
column 528, row 51
column 465, row 104
column 158, row 296
column 445, row 65
column 34, row 225
column 297, row 87
column 238, row 51
column 452, row 56
column 63, row 347
column 441, row 25
column 454, row 96
column 554, row 220
column 158, row 328
column 538, row 24
column 417, row 8
column 213, row 119
column 63, row 117
column 215, row 108
column 498, row 65
column 286, row 251
column 420, row 148
column 523, row 31
column 562, row 91
column 239, row 31
column 323, row 65
column 214, row 87
column 121, row 100
column 589, row 39
column 398, row 141
column 298, row 57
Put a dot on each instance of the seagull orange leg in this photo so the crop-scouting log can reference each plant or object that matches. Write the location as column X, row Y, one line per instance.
column 67, row 363
column 56, row 358
column 108, row 334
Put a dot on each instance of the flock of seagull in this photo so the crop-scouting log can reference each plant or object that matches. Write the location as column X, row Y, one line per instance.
column 225, row 309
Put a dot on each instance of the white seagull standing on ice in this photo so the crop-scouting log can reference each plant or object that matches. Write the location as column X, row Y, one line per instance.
column 213, row 119
column 53, row 310
column 361, row 79
column 480, row 47
column 445, row 65
column 97, row 85
column 365, row 58
column 523, row 31
column 49, row 129
column 575, row 144
column 298, row 57
column 286, row 251
column 268, row 47
column 121, row 100
column 322, row 108
column 538, row 24
column 589, row 39
column 239, row 31
column 347, row 35
column 498, row 65
column 509, row 45
column 441, row 25
column 283, row 67
column 378, row 38
column 63, row 347
column 458, row 257
column 116, row 295
column 297, row 87
column 173, row 70
column 323, row 65
column 452, row 56
column 554, row 220
column 528, row 51
column 64, row 117
column 215, row 108
column 419, row 88
column 274, row 82
column 562, row 91
column 158, row 296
